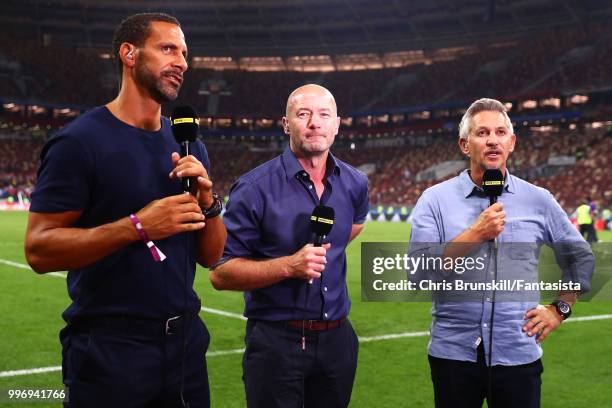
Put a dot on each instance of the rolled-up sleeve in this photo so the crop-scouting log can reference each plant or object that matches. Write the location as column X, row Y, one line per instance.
column 573, row 254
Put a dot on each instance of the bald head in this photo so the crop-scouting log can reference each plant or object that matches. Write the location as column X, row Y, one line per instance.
column 312, row 120
column 309, row 90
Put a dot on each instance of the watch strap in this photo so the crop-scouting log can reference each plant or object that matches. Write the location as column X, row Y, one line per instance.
column 215, row 209
column 563, row 308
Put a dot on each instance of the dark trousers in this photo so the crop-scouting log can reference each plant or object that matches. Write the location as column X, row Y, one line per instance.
column 589, row 231
column 105, row 367
column 465, row 384
column 279, row 373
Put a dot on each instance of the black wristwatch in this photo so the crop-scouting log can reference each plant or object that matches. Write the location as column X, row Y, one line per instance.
column 563, row 308
column 215, row 208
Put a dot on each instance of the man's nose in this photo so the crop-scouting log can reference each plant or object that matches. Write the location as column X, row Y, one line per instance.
column 314, row 121
column 492, row 139
column 181, row 63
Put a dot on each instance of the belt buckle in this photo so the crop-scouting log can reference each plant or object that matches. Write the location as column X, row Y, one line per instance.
column 310, row 323
column 168, row 324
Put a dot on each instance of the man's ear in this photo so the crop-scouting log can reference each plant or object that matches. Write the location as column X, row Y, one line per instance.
column 463, row 145
column 127, row 53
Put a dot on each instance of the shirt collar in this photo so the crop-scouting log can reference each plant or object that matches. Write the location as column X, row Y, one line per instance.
column 469, row 187
column 293, row 168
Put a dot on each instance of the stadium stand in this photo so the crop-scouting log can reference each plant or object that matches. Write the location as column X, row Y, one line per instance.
column 571, row 164
column 557, row 60
column 401, row 74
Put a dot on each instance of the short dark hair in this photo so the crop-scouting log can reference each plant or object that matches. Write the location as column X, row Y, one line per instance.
column 134, row 30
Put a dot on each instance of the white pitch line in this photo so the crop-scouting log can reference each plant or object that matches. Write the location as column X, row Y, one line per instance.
column 15, row 373
column 241, row 317
column 224, row 352
column 393, row 336
column 365, row 339
column 63, row 275
column 588, row 318
column 15, row 264
column 218, row 353
column 23, row 266
column 223, row 313
column 426, row 333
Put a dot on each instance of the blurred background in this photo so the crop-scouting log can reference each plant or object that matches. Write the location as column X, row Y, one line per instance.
column 402, row 72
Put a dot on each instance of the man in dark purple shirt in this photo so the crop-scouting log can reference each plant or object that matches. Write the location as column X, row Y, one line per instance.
column 301, row 350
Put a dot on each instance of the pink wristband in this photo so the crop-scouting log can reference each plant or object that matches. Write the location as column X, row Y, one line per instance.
column 158, row 255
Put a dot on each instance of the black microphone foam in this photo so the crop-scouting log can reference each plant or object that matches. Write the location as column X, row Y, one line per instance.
column 493, row 183
column 185, row 123
column 321, row 222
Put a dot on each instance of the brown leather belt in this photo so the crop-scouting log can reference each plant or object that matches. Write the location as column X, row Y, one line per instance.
column 315, row 325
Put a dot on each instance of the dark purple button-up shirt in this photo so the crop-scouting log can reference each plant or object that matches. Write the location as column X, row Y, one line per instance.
column 268, row 216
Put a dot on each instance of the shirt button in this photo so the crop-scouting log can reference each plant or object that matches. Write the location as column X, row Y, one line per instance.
column 310, row 186
column 484, row 325
column 488, row 299
column 325, row 288
column 325, row 314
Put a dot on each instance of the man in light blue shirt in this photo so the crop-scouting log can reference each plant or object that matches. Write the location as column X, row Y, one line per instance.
column 458, row 211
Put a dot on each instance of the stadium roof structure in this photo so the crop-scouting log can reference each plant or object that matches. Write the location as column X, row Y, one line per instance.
column 284, row 28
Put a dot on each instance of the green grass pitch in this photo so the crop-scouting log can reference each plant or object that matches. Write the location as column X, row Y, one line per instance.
column 391, row 373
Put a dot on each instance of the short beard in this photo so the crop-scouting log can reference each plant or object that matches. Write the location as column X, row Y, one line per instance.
column 146, row 79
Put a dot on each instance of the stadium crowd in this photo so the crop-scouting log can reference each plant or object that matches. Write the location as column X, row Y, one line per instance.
column 396, row 175
column 569, row 58
column 557, row 59
column 19, row 159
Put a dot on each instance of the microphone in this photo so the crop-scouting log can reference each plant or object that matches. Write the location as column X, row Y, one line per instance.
column 321, row 223
column 185, row 123
column 493, row 184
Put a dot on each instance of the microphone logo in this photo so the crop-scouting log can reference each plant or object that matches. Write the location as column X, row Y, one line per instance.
column 179, row 121
column 314, row 218
column 321, row 222
column 493, row 183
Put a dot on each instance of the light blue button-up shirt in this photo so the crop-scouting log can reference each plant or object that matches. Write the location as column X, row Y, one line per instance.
column 532, row 216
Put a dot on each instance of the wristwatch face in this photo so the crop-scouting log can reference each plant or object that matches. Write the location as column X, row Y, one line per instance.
column 564, row 308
